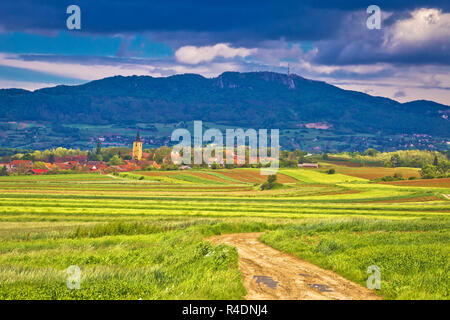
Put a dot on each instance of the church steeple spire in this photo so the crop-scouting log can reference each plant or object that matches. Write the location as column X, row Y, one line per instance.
column 137, row 147
column 138, row 137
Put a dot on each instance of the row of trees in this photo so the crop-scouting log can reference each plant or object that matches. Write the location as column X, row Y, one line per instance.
column 407, row 158
column 433, row 164
column 439, row 170
column 401, row 158
column 45, row 155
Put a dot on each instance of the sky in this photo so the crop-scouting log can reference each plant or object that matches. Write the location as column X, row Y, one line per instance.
column 408, row 58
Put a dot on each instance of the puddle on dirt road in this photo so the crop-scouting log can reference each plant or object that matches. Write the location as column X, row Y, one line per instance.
column 271, row 274
column 320, row 287
column 268, row 281
column 304, row 275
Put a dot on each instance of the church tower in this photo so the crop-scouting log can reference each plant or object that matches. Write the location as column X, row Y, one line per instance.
column 137, row 148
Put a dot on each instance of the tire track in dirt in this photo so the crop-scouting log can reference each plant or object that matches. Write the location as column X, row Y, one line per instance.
column 271, row 274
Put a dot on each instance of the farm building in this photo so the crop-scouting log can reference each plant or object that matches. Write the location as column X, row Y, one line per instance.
column 308, row 165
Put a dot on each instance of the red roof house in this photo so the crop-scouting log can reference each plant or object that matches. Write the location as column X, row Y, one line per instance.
column 79, row 158
column 38, row 171
column 63, row 166
column 16, row 163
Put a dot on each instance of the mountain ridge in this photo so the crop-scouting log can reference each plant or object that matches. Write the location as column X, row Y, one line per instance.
column 20, row 90
column 252, row 99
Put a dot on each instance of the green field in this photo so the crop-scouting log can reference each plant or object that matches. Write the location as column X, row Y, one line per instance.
column 141, row 235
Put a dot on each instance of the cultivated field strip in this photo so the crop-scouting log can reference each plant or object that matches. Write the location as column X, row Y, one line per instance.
column 139, row 237
column 96, row 201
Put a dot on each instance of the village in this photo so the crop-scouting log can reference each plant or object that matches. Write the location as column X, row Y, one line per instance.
column 75, row 164
column 81, row 164
column 136, row 159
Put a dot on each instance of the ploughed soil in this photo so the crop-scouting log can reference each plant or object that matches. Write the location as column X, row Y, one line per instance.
column 271, row 274
column 437, row 183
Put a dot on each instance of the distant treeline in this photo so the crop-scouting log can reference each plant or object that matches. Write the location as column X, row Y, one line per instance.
column 8, row 152
column 401, row 158
column 433, row 164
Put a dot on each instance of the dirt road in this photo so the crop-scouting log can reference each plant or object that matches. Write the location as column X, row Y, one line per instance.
column 270, row 274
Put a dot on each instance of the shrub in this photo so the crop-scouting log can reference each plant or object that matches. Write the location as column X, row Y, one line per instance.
column 214, row 166
column 395, row 177
column 271, row 183
column 429, row 172
column 398, row 176
column 272, row 178
column 388, row 164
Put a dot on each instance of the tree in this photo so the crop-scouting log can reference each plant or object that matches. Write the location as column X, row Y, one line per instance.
column 271, row 183
column 371, row 152
column 115, row 160
column 3, row 171
column 292, row 157
column 214, row 166
column 429, row 172
column 98, row 150
column 28, row 156
column 39, row 165
column 91, row 156
column 395, row 160
column 161, row 153
column 288, row 163
column 435, row 161
column 443, row 167
column 272, row 178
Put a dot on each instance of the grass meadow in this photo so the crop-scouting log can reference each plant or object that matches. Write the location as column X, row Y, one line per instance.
column 141, row 234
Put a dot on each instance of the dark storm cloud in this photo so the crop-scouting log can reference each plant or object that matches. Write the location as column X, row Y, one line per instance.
column 337, row 28
column 291, row 19
column 355, row 44
column 352, row 5
column 345, row 51
column 228, row 19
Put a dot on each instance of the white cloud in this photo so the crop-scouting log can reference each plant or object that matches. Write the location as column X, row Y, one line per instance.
column 411, row 93
column 277, row 52
column 77, row 70
column 420, row 82
column 362, row 69
column 89, row 72
column 196, row 55
column 207, row 70
column 424, row 26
